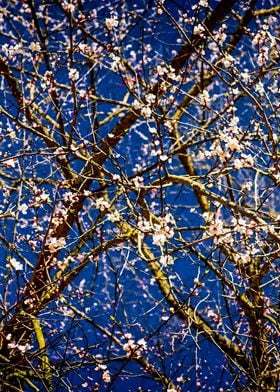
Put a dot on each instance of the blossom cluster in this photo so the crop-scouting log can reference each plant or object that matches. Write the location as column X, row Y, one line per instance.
column 266, row 43
column 132, row 347
column 161, row 231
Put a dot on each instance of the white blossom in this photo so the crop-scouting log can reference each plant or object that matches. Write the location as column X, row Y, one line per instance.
column 73, row 74
column 166, row 260
column 114, row 216
column 23, row 208
column 55, row 243
column 16, row 264
column 102, row 204
column 110, row 23
column 204, row 98
column 150, row 98
column 146, row 111
column 228, row 60
column 21, row 347
column 138, row 181
column 198, row 30
column 35, row 47
column 10, row 162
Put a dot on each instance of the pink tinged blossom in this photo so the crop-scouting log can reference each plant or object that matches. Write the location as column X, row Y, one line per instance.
column 68, row 7
column 216, row 228
column 106, row 376
column 60, row 153
column 263, row 56
column 10, row 162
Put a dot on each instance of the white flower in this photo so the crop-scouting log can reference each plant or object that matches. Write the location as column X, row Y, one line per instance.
column 237, row 164
column 21, row 347
column 136, row 105
column 138, row 182
column 114, row 216
column 245, row 76
column 68, row 7
column 73, row 74
column 24, row 347
column 198, row 30
column 233, row 144
column 159, row 238
column 150, row 98
column 116, row 62
column 129, row 345
column 60, row 153
column 146, row 111
column 166, row 260
column 23, row 208
column 16, row 264
column 204, row 98
column 111, row 22
column 116, row 177
column 169, row 125
column 260, row 88
column 101, row 204
column 142, row 343
column 34, row 47
column 101, row 367
column 144, row 225
column 163, row 157
column 106, row 376
column 203, row 3
column 228, row 60
column 10, row 162
column 216, row 228
column 55, row 243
